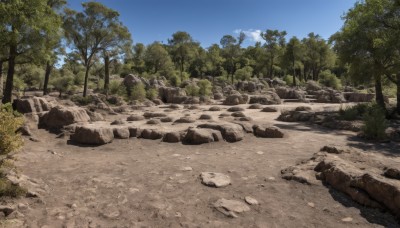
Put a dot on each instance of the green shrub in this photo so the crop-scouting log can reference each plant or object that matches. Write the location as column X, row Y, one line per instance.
column 10, row 121
column 137, row 92
column 115, row 87
column 244, row 73
column 375, row 123
column 205, row 87
column 82, row 101
column 62, row 84
column 354, row 112
column 174, row 80
column 152, row 94
column 328, row 79
column 288, row 79
column 192, row 90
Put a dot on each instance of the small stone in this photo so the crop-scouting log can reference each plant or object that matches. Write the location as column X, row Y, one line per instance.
column 311, row 204
column 217, row 180
column 260, row 152
column 250, row 200
column 187, row 169
column 347, row 219
column 231, row 207
column 134, row 190
column 33, row 139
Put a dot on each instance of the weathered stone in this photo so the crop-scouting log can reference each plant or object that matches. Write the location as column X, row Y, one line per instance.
column 255, row 106
column 135, row 118
column 236, row 99
column 153, row 122
column 235, row 109
column 214, row 109
column 149, row 115
column 152, row 134
column 185, row 119
column 205, row 117
column 172, row 137
column 269, row 109
column 270, row 98
column 230, row 132
column 216, row 180
column 32, row 105
column 196, row 136
column 250, row 200
column 118, row 122
column 60, row 116
column 231, row 207
column 267, row 132
column 121, row 133
column 134, row 132
column 93, row 135
column 238, row 114
column 166, row 119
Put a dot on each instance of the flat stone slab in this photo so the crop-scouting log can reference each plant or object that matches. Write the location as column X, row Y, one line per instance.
column 217, row 180
column 231, row 207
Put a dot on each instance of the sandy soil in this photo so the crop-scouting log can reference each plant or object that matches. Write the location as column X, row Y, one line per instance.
column 142, row 183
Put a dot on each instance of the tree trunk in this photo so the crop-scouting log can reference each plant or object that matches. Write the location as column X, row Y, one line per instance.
column 7, row 98
column 86, row 81
column 106, row 74
column 49, row 67
column 294, row 74
column 378, row 92
column 1, row 78
column 398, row 94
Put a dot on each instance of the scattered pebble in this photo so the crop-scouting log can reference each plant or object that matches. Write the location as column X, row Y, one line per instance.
column 250, row 200
column 311, row 204
column 347, row 219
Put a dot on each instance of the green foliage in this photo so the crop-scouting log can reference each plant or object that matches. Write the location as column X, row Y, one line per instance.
column 79, row 79
column 152, row 94
column 244, row 74
column 354, row 112
column 9, row 123
column 115, row 87
column 7, row 188
column 138, row 92
column 192, row 90
column 327, row 78
column 82, row 101
column 375, row 123
column 62, row 84
column 205, row 87
column 175, row 80
column 288, row 79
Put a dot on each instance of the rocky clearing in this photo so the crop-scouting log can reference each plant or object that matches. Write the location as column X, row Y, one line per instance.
column 137, row 182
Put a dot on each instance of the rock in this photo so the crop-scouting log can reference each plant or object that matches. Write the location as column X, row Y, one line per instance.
column 60, row 116
column 172, row 95
column 247, row 119
column 329, row 96
column 217, row 180
column 312, row 86
column 303, row 108
column 269, row 98
column 157, row 102
column 393, row 173
column 153, row 122
column 248, row 128
column 135, row 118
column 152, row 134
column 172, row 137
column 236, row 99
column 230, row 132
column 238, row 114
column 269, row 109
column 235, row 109
column 218, row 96
column 250, row 200
column 267, row 132
column 166, row 119
column 32, row 105
column 255, row 106
column 291, row 93
column 205, row 117
column 149, row 115
column 92, row 135
column 132, row 80
column 24, row 130
column 224, row 114
column 296, row 116
column 118, row 122
column 195, row 136
column 331, row 150
column 175, row 106
column 359, row 97
column 121, row 133
column 95, row 116
column 187, row 169
column 231, row 207
column 185, row 120
column 214, row 109
column 193, row 107
column 347, row 219
column 7, row 210
column 34, row 139
column 134, row 132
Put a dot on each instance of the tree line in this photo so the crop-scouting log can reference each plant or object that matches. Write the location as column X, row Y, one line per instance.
column 36, row 33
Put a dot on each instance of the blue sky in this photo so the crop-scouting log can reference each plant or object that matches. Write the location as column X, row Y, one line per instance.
column 208, row 20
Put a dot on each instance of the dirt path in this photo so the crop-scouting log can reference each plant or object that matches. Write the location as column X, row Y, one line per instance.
column 145, row 183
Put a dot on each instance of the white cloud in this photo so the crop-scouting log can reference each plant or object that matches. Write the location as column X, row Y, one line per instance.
column 253, row 35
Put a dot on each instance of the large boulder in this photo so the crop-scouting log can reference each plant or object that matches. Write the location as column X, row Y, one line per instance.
column 296, row 116
column 236, row 99
column 312, row 86
column 196, row 136
column 61, row 116
column 359, row 97
column 93, row 135
column 329, row 96
column 270, row 98
column 32, row 105
column 291, row 93
column 172, row 95
column 230, row 132
column 268, row 132
column 133, row 80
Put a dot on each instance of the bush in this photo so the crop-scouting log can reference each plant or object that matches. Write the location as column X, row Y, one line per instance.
column 244, row 73
column 375, row 123
column 114, row 87
column 9, row 123
column 152, row 94
column 82, row 101
column 205, row 87
column 354, row 112
column 192, row 90
column 137, row 92
column 62, row 84
column 289, row 80
column 328, row 79
column 174, row 81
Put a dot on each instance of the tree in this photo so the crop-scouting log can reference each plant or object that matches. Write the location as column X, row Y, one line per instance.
column 157, row 58
column 231, row 51
column 90, row 32
column 274, row 43
column 292, row 54
column 24, row 25
column 214, row 60
column 181, row 49
column 360, row 43
column 139, row 51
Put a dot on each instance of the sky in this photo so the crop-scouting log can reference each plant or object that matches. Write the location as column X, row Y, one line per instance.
column 207, row 21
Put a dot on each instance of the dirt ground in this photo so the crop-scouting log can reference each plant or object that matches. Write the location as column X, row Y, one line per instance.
column 146, row 183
